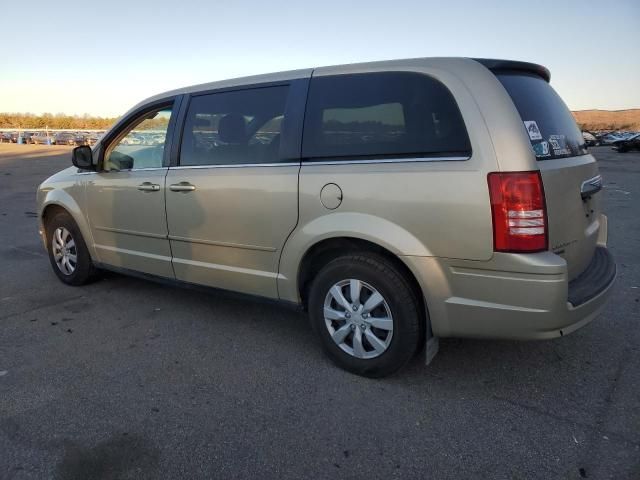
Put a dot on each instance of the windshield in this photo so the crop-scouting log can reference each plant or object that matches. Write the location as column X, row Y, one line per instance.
column 551, row 128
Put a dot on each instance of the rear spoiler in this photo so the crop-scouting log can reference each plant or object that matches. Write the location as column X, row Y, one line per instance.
column 512, row 65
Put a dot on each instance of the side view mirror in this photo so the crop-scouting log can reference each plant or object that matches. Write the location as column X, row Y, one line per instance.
column 82, row 158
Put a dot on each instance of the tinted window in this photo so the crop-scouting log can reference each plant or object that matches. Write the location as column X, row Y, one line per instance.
column 237, row 127
column 551, row 127
column 382, row 114
column 141, row 145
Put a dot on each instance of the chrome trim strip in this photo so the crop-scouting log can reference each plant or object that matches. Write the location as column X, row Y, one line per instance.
column 131, row 232
column 221, row 244
column 386, row 160
column 143, row 169
column 243, row 165
column 297, row 164
column 127, row 170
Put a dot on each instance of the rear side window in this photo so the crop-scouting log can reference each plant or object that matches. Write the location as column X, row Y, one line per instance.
column 388, row 114
column 234, row 127
column 551, row 128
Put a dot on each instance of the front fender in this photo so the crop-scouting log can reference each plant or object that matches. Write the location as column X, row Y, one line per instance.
column 374, row 229
column 69, row 198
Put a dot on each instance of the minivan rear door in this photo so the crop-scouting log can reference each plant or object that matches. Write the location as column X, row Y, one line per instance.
column 232, row 197
column 569, row 174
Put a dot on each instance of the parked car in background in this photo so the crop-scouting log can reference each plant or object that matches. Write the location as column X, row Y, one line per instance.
column 42, row 138
column 613, row 137
column 80, row 138
column 12, row 137
column 351, row 191
column 27, row 137
column 134, row 138
column 590, row 139
column 609, row 138
column 92, row 138
column 627, row 144
column 65, row 138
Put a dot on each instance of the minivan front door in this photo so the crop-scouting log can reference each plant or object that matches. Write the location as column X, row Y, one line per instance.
column 126, row 197
column 233, row 199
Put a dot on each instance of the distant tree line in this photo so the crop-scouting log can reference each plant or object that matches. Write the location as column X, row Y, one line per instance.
column 57, row 121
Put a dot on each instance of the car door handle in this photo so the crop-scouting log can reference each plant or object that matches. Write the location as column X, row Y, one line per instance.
column 149, row 187
column 182, row 187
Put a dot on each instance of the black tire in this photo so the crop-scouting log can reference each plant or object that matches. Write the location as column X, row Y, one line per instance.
column 402, row 300
column 84, row 271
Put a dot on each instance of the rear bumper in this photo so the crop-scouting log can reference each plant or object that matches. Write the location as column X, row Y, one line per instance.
column 513, row 296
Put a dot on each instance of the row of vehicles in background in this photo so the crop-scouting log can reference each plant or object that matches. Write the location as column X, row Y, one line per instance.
column 52, row 138
column 619, row 141
column 147, row 137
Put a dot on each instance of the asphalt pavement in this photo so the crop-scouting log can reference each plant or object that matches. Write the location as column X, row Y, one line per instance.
column 131, row 379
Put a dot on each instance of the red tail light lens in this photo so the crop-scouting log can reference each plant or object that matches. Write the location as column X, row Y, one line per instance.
column 519, row 212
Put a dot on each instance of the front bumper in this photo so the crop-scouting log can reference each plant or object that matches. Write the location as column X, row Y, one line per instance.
column 513, row 296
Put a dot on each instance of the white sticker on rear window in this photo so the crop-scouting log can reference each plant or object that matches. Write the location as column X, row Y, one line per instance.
column 559, row 145
column 533, row 130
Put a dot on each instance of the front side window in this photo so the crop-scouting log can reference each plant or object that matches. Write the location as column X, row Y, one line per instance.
column 141, row 145
column 382, row 114
column 235, row 127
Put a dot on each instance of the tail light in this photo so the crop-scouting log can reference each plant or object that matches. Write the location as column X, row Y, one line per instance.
column 518, row 211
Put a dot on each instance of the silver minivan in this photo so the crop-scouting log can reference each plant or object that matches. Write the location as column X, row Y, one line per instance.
column 397, row 202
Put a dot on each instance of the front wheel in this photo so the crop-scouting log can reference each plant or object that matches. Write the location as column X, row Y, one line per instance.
column 68, row 253
column 366, row 314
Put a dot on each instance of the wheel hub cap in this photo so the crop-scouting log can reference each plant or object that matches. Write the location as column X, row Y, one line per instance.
column 64, row 250
column 358, row 318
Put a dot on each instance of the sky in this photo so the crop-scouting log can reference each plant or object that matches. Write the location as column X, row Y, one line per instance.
column 103, row 57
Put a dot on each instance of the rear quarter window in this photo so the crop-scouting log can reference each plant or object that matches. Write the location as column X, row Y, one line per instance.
column 551, row 128
column 386, row 114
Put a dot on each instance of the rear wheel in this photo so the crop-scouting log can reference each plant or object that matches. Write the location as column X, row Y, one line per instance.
column 366, row 314
column 68, row 252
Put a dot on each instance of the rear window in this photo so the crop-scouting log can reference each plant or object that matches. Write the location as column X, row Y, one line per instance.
column 387, row 114
column 551, row 128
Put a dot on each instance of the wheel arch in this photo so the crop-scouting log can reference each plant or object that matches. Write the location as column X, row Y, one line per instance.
column 323, row 251
column 61, row 201
column 379, row 234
